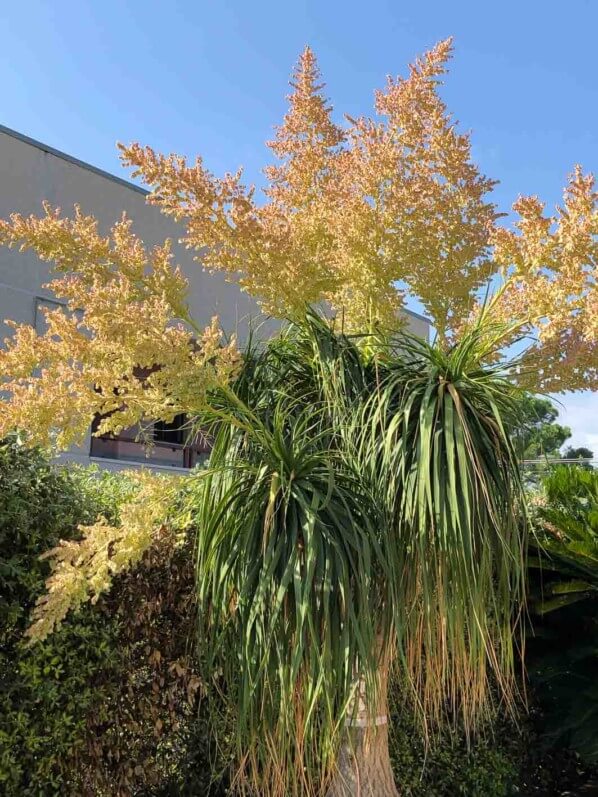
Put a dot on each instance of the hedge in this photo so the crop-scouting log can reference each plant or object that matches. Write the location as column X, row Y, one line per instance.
column 107, row 705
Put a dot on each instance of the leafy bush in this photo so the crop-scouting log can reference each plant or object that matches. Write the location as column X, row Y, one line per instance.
column 39, row 504
column 504, row 760
column 154, row 739
column 108, row 704
column 46, row 693
column 446, row 765
column 563, row 655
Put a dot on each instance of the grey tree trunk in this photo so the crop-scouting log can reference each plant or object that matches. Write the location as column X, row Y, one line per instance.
column 364, row 768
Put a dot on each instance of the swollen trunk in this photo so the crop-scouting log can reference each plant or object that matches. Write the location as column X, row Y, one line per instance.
column 364, row 768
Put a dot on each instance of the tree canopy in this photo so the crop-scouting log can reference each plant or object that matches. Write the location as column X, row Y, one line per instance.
column 579, row 452
column 359, row 216
column 539, row 435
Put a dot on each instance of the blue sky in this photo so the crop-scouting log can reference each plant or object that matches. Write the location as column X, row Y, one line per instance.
column 210, row 77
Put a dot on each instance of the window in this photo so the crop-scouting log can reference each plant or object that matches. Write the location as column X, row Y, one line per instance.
column 171, row 446
column 173, row 432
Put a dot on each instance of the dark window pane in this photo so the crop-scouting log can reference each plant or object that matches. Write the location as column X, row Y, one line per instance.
column 172, row 432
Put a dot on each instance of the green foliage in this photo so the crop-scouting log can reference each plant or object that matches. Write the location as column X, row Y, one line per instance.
column 47, row 696
column 504, row 759
column 288, row 535
column 579, row 453
column 437, row 445
column 563, row 657
column 155, row 740
column 108, row 704
column 38, row 505
column 46, row 693
column 568, row 537
column 361, row 503
column 446, row 765
column 536, row 433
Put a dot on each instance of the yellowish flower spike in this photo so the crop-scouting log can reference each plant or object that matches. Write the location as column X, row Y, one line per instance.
column 124, row 314
column 551, row 269
column 281, row 250
column 385, row 207
column 349, row 213
column 84, row 569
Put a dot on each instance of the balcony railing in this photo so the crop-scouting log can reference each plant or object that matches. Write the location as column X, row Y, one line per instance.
column 175, row 455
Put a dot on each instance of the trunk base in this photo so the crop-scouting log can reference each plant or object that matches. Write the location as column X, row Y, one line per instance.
column 364, row 768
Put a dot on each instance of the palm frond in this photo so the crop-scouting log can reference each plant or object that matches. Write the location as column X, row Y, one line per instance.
column 435, row 436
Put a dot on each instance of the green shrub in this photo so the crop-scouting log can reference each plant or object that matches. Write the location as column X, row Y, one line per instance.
column 108, row 704
column 155, row 740
column 46, row 692
column 47, row 695
column 442, row 762
column 40, row 504
column 506, row 760
column 563, row 645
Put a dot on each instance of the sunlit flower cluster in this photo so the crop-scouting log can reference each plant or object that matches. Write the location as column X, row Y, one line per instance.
column 364, row 215
column 122, row 345
column 351, row 214
column 83, row 569
column 550, row 268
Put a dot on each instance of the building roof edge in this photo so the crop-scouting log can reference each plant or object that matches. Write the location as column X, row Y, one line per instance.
column 70, row 159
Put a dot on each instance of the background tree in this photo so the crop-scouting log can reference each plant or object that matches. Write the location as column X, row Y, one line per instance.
column 578, row 453
column 537, row 434
column 357, row 217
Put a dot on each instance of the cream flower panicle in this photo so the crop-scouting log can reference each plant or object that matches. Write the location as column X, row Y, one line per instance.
column 122, row 345
column 349, row 213
column 81, row 570
column 550, row 267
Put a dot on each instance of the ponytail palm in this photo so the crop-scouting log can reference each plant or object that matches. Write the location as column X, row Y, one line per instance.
column 360, row 510
column 361, row 507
